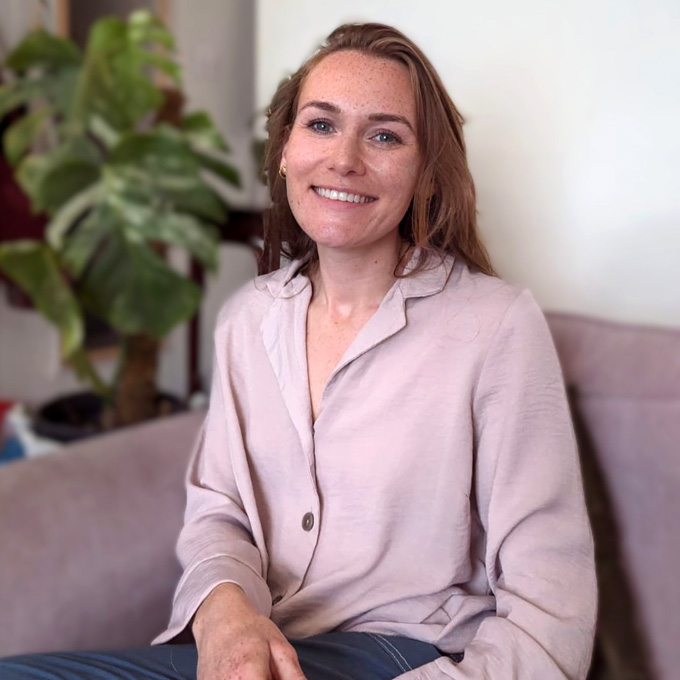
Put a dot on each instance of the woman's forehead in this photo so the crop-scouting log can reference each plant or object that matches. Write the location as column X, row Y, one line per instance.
column 351, row 79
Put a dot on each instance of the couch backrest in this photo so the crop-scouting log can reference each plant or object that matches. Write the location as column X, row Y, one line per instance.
column 87, row 538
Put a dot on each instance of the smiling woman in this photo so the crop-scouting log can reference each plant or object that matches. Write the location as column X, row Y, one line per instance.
column 386, row 484
column 442, row 212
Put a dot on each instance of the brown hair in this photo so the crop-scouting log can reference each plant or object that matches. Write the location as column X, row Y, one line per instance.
column 442, row 216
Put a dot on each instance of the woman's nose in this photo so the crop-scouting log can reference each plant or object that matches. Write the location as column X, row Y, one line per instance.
column 346, row 156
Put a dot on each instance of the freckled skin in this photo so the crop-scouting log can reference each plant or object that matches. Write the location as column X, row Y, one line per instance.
column 349, row 151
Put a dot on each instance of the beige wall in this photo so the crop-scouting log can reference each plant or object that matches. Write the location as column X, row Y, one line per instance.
column 572, row 136
column 572, row 111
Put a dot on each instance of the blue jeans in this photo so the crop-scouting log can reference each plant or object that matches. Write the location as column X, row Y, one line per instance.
column 331, row 656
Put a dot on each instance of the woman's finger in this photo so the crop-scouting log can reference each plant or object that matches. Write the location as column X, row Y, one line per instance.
column 284, row 663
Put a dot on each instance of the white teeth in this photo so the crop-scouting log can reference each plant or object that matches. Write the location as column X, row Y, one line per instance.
column 343, row 196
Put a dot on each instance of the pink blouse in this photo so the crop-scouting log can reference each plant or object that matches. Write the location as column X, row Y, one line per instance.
column 437, row 496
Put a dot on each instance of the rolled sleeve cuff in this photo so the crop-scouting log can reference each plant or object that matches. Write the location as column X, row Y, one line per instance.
column 197, row 583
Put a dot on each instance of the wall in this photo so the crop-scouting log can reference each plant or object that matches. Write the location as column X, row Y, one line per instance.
column 571, row 110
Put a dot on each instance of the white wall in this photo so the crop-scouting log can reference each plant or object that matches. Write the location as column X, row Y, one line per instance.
column 572, row 136
column 572, row 113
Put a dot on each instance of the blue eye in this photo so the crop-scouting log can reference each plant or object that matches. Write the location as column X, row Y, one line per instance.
column 322, row 126
column 387, row 138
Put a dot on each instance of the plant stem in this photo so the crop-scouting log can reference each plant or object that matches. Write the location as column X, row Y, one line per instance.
column 135, row 387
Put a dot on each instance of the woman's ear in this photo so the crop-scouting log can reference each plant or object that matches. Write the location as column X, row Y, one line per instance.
column 283, row 163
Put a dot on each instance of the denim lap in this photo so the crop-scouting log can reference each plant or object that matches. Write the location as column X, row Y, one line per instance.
column 330, row 656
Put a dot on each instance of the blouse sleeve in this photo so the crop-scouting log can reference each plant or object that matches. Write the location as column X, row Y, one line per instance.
column 529, row 496
column 216, row 545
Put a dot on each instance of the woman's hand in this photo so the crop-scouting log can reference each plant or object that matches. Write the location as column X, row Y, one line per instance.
column 234, row 641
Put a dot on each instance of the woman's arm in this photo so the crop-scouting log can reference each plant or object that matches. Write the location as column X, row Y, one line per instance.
column 529, row 498
column 223, row 595
column 216, row 543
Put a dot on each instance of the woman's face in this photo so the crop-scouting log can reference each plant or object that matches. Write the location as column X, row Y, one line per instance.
column 352, row 157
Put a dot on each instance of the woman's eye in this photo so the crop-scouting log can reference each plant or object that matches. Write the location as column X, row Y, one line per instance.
column 387, row 138
column 320, row 126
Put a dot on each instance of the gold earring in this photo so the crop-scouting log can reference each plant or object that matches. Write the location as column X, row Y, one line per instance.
column 282, row 172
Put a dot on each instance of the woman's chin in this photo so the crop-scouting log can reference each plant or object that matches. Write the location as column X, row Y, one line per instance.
column 350, row 239
column 335, row 238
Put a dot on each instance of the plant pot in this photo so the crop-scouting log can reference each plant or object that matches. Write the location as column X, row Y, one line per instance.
column 78, row 416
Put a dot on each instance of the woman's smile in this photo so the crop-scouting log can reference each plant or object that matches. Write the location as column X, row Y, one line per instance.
column 343, row 195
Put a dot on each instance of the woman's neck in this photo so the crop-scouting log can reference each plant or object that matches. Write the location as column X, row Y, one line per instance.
column 351, row 281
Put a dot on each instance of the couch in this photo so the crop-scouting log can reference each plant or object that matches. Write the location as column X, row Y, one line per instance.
column 87, row 535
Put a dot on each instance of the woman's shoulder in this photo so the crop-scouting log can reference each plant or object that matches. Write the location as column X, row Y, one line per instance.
column 491, row 300
column 491, row 295
column 248, row 303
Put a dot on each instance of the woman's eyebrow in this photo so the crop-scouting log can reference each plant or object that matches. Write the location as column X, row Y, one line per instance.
column 326, row 106
column 377, row 117
column 390, row 118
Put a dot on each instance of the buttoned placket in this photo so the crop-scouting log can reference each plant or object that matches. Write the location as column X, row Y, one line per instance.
column 284, row 331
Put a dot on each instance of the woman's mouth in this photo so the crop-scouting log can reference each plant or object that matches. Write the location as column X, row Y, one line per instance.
column 345, row 196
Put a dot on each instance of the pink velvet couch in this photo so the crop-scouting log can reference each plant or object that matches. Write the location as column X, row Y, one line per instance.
column 87, row 535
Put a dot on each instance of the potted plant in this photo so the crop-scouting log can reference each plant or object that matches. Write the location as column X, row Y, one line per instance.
column 94, row 148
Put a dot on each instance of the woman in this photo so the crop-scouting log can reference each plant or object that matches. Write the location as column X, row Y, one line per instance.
column 386, row 483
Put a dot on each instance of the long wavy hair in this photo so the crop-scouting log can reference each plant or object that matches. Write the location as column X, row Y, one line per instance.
column 442, row 216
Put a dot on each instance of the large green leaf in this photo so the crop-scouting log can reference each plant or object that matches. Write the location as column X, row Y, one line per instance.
column 116, row 81
column 44, row 50
column 161, row 150
column 160, row 167
column 143, row 224
column 18, row 93
column 219, row 167
column 71, row 211
column 200, row 130
column 144, row 27
column 103, row 131
column 33, row 267
column 22, row 134
column 60, row 89
column 107, row 35
column 29, row 174
column 185, row 193
column 202, row 201
column 161, row 63
column 83, row 242
column 185, row 232
column 52, row 179
column 57, row 89
column 115, row 89
column 135, row 291
column 63, row 183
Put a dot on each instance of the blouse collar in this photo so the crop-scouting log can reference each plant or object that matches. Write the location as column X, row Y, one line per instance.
column 287, row 281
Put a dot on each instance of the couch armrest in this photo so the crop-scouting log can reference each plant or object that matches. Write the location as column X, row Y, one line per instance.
column 624, row 381
column 87, row 539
